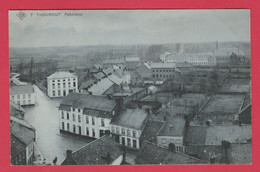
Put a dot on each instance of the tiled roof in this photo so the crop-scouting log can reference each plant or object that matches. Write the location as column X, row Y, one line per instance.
column 23, row 133
column 82, row 101
column 150, row 130
column 101, row 86
column 108, row 71
column 16, row 145
column 97, row 113
column 214, row 134
column 150, row 153
column 58, row 75
column 96, row 152
column 162, row 65
column 86, row 84
column 131, row 118
column 115, row 79
column 21, row 89
column 98, row 75
column 174, row 126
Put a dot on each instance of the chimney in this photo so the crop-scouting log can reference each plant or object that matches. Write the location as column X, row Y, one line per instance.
column 68, row 153
column 225, row 146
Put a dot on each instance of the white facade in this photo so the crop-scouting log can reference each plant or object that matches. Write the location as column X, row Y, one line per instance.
column 62, row 85
column 126, row 78
column 74, row 121
column 23, row 99
column 164, row 141
column 127, row 136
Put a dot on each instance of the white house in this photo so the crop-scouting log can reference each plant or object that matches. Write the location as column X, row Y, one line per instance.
column 60, row 84
column 128, row 126
column 86, row 115
column 22, row 95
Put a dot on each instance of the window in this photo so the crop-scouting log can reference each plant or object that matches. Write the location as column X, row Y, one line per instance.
column 53, row 86
column 24, row 96
column 24, row 102
column 58, row 85
column 79, row 118
column 123, row 131
column 73, row 109
column 53, row 93
column 18, row 96
column 117, row 130
column 93, row 121
column 68, row 127
column 73, row 117
column 128, row 142
column 62, row 115
column 128, row 132
column 102, row 122
column 69, row 84
column 68, row 116
column 53, row 80
column 134, row 143
column 29, row 96
column 29, row 101
column 87, row 131
column 93, row 133
column 62, row 125
column 113, row 129
column 64, row 85
column 58, row 92
column 74, row 84
column 18, row 102
column 87, row 121
column 134, row 133
column 12, row 97
column 78, row 110
column 74, row 128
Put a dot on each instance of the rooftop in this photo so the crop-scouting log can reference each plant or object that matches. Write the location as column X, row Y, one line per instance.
column 174, row 126
column 214, row 134
column 131, row 118
column 101, row 86
column 150, row 130
column 98, row 152
column 82, row 101
column 150, row 153
column 98, row 75
column 132, row 59
column 86, row 84
column 113, row 61
column 115, row 79
column 16, row 145
column 21, row 89
column 162, row 65
column 58, row 75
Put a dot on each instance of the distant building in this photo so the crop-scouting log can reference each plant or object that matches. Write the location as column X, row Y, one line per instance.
column 229, row 56
column 196, row 59
column 60, row 84
column 132, row 62
column 103, row 151
column 128, row 126
column 150, row 153
column 22, row 95
column 163, row 71
column 22, row 142
column 172, row 132
column 111, row 62
column 86, row 115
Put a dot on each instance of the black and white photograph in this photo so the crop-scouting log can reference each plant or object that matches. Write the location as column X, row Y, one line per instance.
column 130, row 87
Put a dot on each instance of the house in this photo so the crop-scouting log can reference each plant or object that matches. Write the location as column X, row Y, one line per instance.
column 16, row 111
column 214, row 142
column 102, row 87
column 22, row 95
column 128, row 126
column 163, row 71
column 22, row 142
column 103, row 151
column 86, row 115
column 60, row 84
column 111, row 62
column 150, row 153
column 150, row 130
column 172, row 132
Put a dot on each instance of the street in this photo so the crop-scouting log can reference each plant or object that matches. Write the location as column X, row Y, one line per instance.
column 45, row 119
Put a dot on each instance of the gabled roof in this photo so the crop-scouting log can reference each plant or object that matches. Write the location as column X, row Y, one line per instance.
column 82, row 101
column 16, row 145
column 86, row 84
column 22, row 132
column 131, row 118
column 98, row 75
column 174, row 126
column 214, row 134
column 132, row 59
column 21, row 89
column 102, row 151
column 150, row 153
column 115, row 79
column 61, row 75
column 100, row 87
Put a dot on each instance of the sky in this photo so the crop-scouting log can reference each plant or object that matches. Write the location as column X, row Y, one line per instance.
column 126, row 27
